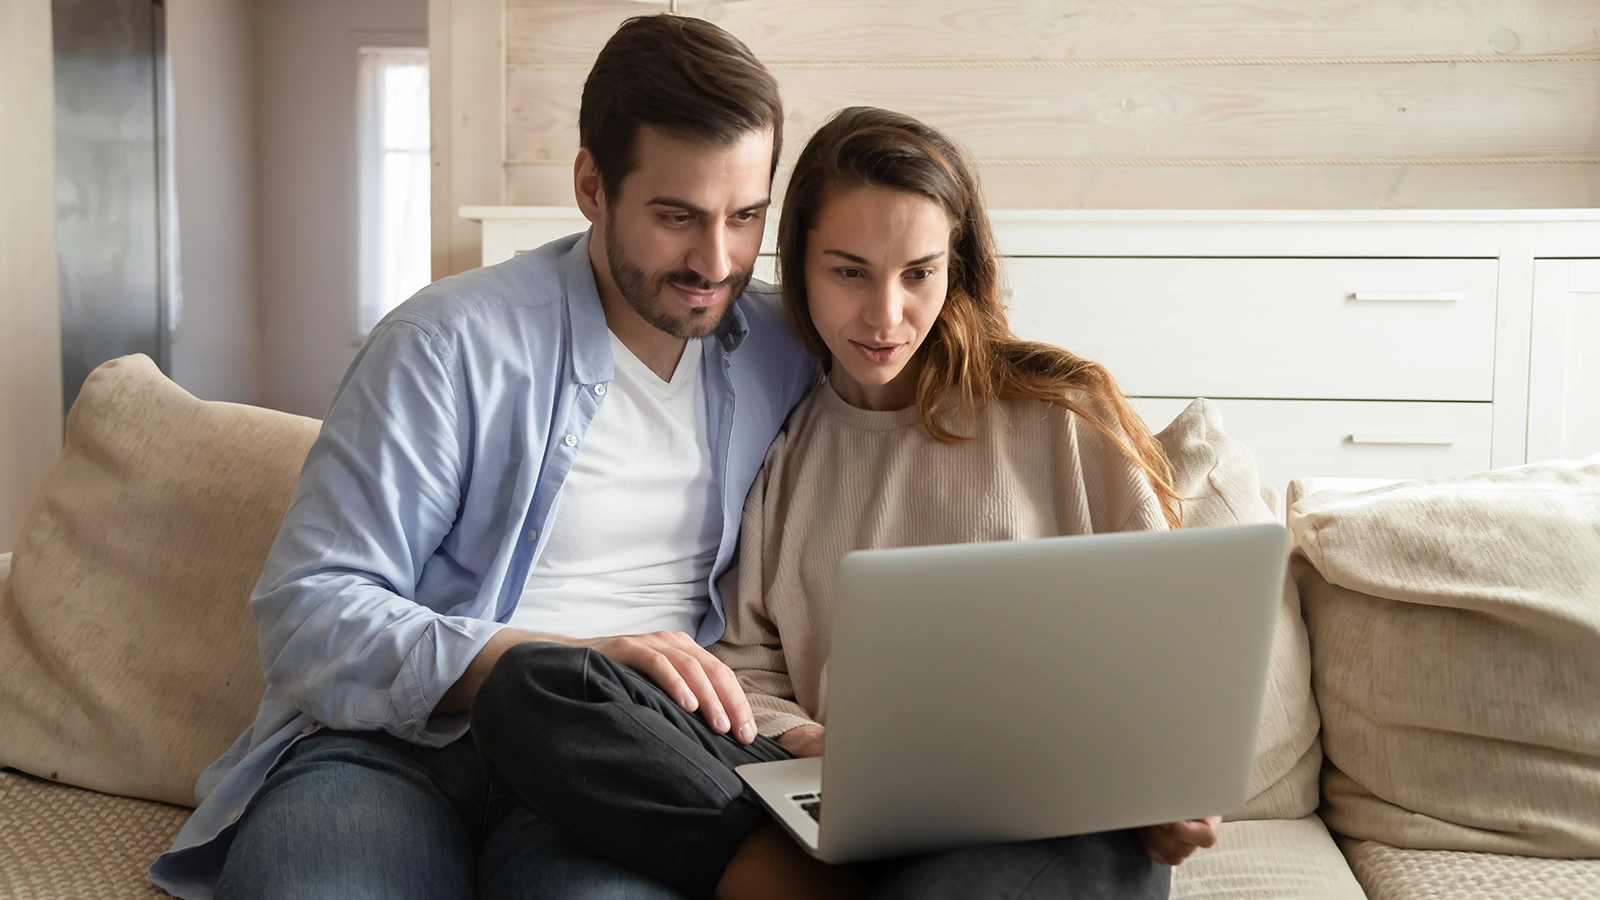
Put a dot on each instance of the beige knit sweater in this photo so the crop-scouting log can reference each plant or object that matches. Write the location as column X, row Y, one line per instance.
column 839, row 479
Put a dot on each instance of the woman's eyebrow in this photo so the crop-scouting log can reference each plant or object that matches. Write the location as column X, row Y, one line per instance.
column 925, row 259
column 849, row 256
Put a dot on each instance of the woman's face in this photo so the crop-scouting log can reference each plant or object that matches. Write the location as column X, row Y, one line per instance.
column 876, row 277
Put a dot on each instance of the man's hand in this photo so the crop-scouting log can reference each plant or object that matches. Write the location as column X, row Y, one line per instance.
column 690, row 675
column 803, row 741
column 1173, row 842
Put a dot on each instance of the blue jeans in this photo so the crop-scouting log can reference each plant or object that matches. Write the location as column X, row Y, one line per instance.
column 356, row 815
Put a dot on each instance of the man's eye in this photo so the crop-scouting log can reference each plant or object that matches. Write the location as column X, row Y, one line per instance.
column 747, row 216
column 678, row 218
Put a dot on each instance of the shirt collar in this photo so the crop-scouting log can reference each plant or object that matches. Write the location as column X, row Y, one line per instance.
column 591, row 341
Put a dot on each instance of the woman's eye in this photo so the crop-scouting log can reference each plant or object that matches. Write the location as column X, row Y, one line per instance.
column 850, row 273
column 920, row 274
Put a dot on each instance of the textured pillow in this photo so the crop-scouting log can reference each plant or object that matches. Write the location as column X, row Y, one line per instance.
column 1455, row 631
column 126, row 638
column 1218, row 477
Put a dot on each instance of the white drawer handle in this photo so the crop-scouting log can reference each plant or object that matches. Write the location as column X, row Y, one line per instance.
column 1377, row 438
column 1409, row 296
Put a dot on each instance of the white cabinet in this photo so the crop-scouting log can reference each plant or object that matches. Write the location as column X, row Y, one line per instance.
column 1342, row 343
column 1564, row 363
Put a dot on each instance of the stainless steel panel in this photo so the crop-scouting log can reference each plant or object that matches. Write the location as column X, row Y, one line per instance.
column 108, row 55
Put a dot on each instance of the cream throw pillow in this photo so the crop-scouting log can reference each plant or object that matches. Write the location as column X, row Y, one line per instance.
column 1218, row 477
column 1455, row 627
column 126, row 638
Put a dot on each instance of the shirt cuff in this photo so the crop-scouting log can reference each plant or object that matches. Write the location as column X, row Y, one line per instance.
column 438, row 660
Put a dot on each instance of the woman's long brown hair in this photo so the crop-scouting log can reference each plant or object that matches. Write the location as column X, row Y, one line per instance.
column 970, row 356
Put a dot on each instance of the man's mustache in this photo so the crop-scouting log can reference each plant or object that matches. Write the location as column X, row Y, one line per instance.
column 694, row 281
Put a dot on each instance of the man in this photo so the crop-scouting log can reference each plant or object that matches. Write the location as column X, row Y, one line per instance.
column 555, row 448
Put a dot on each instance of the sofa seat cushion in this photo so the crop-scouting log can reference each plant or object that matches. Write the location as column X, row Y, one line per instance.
column 1284, row 859
column 1455, row 634
column 1217, row 477
column 65, row 843
column 1393, row 873
column 126, row 637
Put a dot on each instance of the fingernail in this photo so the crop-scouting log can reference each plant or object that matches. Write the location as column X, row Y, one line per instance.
column 748, row 732
column 721, row 724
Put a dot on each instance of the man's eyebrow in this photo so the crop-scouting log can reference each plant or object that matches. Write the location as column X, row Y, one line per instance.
column 686, row 206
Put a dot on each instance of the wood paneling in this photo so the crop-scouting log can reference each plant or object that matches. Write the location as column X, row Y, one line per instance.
column 1147, row 94
column 1237, row 112
column 1080, row 29
column 466, row 40
column 1179, row 187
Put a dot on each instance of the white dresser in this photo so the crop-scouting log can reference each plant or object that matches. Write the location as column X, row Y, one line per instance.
column 1361, row 344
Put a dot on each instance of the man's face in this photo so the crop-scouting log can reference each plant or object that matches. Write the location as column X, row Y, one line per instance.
column 682, row 234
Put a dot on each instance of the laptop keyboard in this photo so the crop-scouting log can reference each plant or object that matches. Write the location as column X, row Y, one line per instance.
column 811, row 803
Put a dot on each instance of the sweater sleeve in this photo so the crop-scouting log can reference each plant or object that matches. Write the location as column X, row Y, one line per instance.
column 751, row 644
column 1120, row 495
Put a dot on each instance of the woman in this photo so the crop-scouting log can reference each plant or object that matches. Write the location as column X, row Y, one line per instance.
column 934, row 424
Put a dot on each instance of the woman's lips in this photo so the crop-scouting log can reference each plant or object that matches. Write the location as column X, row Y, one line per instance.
column 875, row 352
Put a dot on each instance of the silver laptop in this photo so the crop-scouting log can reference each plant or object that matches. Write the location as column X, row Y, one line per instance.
column 982, row 693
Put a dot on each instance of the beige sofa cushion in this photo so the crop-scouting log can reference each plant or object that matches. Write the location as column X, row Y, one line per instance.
column 128, row 647
column 66, row 843
column 1391, row 873
column 1455, row 633
column 1282, row 859
column 1218, row 477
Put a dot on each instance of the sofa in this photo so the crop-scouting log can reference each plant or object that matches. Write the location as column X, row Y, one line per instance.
column 1431, row 726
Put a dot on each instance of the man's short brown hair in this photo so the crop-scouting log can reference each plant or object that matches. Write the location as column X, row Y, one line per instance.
column 682, row 75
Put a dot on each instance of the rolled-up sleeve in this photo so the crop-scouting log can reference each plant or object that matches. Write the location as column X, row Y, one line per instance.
column 340, row 626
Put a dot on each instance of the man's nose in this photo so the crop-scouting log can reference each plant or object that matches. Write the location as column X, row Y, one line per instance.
column 709, row 257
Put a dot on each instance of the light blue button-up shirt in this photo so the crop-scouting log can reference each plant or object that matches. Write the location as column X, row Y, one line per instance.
column 425, row 501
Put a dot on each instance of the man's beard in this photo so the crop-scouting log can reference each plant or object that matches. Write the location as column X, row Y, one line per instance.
column 643, row 293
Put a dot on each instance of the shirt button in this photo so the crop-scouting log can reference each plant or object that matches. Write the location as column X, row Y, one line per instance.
column 308, row 729
column 234, row 817
column 533, row 534
column 570, row 440
column 599, row 390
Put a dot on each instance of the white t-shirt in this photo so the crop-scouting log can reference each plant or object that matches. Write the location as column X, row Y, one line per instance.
column 637, row 525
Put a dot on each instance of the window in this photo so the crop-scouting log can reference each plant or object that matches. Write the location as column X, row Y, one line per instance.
column 396, row 259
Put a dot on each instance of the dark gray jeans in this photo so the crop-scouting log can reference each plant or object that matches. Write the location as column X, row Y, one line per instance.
column 599, row 751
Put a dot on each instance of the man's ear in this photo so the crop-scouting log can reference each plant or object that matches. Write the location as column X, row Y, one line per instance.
column 587, row 188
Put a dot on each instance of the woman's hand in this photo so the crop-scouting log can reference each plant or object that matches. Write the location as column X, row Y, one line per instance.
column 1173, row 842
column 803, row 741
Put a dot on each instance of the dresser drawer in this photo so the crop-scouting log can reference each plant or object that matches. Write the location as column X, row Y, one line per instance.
column 1347, row 439
column 1347, row 329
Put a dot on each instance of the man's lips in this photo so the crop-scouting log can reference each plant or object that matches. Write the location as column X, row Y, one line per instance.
column 696, row 297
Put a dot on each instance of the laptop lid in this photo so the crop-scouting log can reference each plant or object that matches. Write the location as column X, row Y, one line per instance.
column 982, row 693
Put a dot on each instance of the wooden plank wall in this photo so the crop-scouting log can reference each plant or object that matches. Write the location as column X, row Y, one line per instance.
column 1148, row 103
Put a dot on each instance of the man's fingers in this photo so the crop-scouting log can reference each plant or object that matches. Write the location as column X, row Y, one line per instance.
column 694, row 673
column 1197, row 833
column 741, row 721
column 665, row 675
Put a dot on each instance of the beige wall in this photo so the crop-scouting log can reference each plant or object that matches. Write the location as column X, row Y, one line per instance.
column 216, row 348
column 307, row 186
column 1148, row 103
column 30, row 323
